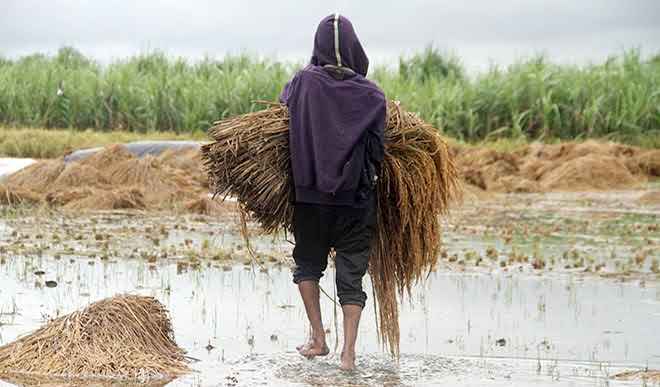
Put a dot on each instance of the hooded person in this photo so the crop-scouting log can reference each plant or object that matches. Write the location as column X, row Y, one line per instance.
column 336, row 125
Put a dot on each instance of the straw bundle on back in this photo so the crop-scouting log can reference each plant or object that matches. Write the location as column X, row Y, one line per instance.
column 250, row 161
column 120, row 337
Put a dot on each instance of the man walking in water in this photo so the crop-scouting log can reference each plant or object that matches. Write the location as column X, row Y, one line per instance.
column 337, row 118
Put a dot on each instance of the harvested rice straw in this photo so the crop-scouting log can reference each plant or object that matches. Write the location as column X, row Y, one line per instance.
column 249, row 160
column 125, row 337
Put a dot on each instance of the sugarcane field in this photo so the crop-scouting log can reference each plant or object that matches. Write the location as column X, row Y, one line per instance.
column 269, row 200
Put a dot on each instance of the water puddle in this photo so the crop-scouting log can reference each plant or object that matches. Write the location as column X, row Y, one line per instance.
column 243, row 323
column 544, row 290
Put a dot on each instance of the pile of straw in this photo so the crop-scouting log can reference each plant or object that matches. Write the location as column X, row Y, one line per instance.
column 568, row 166
column 13, row 197
column 249, row 160
column 110, row 179
column 127, row 337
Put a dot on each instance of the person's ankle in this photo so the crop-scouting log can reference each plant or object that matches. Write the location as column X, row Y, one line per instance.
column 318, row 337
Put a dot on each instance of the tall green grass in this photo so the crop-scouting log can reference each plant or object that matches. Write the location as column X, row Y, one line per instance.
column 51, row 143
column 533, row 99
column 143, row 93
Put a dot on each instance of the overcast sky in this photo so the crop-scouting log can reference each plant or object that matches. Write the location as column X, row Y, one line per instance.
column 479, row 31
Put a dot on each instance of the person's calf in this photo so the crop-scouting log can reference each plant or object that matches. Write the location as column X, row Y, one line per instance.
column 352, row 315
column 309, row 291
column 315, row 346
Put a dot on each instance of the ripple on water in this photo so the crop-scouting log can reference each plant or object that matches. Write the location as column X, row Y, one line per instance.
column 372, row 370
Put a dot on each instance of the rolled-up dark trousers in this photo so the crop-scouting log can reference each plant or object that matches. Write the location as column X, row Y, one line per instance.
column 318, row 228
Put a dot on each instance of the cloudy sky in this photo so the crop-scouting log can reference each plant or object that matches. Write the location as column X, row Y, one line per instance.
column 479, row 31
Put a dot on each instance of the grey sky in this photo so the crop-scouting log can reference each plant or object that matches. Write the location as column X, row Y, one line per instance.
column 480, row 31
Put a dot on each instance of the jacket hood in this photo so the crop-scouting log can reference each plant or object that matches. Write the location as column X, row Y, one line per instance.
column 337, row 45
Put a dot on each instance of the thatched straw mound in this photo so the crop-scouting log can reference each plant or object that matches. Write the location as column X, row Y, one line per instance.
column 649, row 162
column 188, row 161
column 586, row 166
column 249, row 160
column 111, row 155
column 28, row 380
column 159, row 183
column 66, row 196
column 487, row 167
column 10, row 196
column 176, row 178
column 99, row 199
column 588, row 173
column 111, row 179
column 204, row 205
column 79, row 175
column 120, row 337
column 36, row 177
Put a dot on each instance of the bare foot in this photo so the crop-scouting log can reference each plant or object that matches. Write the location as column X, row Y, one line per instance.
column 347, row 361
column 313, row 348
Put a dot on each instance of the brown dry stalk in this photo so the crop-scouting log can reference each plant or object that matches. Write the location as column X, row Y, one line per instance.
column 249, row 160
column 110, row 179
column 127, row 337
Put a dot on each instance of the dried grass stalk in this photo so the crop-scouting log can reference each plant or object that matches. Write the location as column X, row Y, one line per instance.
column 15, row 196
column 127, row 337
column 112, row 178
column 249, row 160
column 37, row 177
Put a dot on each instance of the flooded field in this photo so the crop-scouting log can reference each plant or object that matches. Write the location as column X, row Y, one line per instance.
column 539, row 289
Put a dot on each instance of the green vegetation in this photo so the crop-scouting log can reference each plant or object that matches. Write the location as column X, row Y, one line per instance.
column 533, row 99
column 143, row 93
column 50, row 143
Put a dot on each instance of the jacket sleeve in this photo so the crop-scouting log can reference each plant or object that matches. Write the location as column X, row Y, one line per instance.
column 289, row 89
column 376, row 138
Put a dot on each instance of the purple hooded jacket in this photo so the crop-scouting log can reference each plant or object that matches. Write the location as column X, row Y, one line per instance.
column 337, row 119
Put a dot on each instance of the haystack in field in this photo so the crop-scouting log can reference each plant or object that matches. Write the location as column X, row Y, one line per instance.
column 112, row 178
column 36, row 177
column 99, row 199
column 127, row 337
column 14, row 196
column 109, row 156
column 78, row 175
column 568, row 166
column 204, row 205
column 587, row 173
column 186, row 160
column 249, row 160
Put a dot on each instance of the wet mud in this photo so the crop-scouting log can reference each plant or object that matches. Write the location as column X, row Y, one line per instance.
column 537, row 289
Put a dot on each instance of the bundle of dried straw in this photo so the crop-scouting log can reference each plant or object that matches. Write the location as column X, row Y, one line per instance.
column 126, row 337
column 249, row 160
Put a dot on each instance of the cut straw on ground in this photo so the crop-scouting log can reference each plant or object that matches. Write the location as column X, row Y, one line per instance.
column 124, row 337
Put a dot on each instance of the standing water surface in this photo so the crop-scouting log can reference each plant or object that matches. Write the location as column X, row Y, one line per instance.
column 461, row 329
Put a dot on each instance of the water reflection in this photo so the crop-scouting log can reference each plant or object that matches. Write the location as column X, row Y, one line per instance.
column 243, row 323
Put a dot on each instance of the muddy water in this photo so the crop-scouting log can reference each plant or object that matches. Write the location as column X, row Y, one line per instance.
column 552, row 289
column 459, row 329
